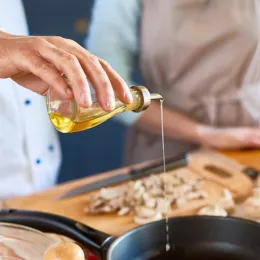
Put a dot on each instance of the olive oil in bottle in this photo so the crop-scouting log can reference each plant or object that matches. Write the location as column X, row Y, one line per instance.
column 68, row 117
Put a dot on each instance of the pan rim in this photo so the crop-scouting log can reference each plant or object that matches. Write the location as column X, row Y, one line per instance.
column 128, row 233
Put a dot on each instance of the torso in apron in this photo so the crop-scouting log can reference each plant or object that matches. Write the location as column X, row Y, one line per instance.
column 196, row 53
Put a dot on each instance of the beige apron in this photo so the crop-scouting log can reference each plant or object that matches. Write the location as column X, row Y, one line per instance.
column 196, row 53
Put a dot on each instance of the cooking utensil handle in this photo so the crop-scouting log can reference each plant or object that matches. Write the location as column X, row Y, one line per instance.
column 252, row 173
column 171, row 162
column 96, row 241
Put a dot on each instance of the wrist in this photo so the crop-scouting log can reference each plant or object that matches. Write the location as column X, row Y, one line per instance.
column 197, row 131
column 191, row 132
column 205, row 134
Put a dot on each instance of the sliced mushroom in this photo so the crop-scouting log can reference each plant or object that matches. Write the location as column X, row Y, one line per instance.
column 181, row 203
column 213, row 210
column 226, row 201
column 156, row 191
column 250, row 209
column 182, row 190
column 107, row 209
column 162, row 205
column 141, row 220
column 148, row 198
column 144, row 212
column 139, row 192
column 123, row 211
column 149, row 201
column 196, row 195
column 109, row 193
column 98, row 203
column 181, row 176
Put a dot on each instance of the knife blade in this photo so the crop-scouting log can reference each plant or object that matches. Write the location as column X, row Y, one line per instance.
column 132, row 175
column 95, row 185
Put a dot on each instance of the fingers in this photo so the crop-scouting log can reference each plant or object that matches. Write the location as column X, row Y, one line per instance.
column 103, row 78
column 121, row 89
column 50, row 75
column 100, row 82
column 254, row 137
column 32, row 82
column 49, row 57
column 69, row 64
column 229, row 137
column 248, row 137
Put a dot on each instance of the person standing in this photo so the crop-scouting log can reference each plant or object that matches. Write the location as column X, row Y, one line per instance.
column 202, row 56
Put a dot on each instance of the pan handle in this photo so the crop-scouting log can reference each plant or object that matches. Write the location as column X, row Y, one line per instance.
column 96, row 241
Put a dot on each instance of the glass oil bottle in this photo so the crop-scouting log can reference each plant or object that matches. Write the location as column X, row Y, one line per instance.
column 68, row 117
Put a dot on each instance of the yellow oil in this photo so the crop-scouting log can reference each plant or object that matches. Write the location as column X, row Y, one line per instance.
column 86, row 118
column 66, row 125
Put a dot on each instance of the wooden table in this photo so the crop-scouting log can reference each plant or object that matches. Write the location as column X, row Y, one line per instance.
column 45, row 201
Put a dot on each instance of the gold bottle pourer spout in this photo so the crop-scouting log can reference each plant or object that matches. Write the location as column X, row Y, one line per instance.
column 146, row 97
column 156, row 96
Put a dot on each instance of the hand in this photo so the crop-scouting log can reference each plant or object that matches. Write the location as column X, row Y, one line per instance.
column 37, row 63
column 229, row 138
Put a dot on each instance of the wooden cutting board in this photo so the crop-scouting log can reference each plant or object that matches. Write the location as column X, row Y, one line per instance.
column 222, row 170
column 74, row 208
column 115, row 225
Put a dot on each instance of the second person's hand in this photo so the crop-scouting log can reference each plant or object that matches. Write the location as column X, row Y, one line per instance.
column 37, row 62
column 230, row 137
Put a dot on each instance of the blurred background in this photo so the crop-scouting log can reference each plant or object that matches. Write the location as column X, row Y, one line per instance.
column 88, row 152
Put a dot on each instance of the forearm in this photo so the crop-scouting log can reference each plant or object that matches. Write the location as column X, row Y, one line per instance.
column 176, row 125
column 5, row 64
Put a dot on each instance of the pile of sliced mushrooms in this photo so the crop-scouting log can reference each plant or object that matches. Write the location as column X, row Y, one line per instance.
column 223, row 207
column 250, row 209
column 151, row 198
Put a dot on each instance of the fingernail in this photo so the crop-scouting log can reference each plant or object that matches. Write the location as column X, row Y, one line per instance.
column 128, row 96
column 85, row 100
column 111, row 103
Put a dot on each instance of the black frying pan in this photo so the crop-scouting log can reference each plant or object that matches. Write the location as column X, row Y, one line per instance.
column 192, row 238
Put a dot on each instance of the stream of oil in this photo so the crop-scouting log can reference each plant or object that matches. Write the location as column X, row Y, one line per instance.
column 168, row 246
